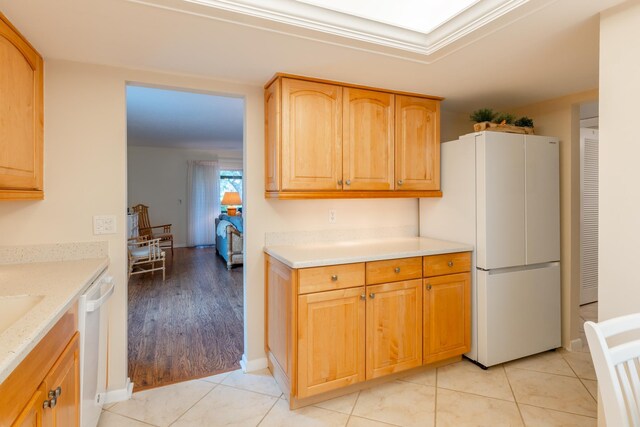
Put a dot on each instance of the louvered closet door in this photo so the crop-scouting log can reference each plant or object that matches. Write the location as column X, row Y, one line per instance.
column 588, row 215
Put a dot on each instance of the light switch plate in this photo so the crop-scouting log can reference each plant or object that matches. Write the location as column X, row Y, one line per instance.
column 104, row 224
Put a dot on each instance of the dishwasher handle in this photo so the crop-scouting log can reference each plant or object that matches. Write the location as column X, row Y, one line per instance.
column 95, row 304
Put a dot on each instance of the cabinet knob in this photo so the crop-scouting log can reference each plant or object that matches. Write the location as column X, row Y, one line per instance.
column 450, row 263
column 363, row 297
column 334, row 278
column 348, row 182
column 400, row 182
column 339, row 182
column 372, row 295
column 428, row 287
column 397, row 269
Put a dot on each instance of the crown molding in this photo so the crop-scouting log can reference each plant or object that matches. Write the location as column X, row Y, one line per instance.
column 313, row 22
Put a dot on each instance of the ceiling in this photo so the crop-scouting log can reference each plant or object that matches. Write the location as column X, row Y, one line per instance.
column 169, row 118
column 542, row 50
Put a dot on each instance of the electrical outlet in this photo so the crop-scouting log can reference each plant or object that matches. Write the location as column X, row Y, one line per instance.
column 332, row 216
column 104, row 224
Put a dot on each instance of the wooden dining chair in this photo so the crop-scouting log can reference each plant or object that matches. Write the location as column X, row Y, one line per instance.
column 145, row 256
column 615, row 348
column 146, row 230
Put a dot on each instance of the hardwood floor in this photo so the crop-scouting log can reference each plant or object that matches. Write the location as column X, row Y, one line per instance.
column 189, row 326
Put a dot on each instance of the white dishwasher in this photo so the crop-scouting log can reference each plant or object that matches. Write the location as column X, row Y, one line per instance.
column 92, row 324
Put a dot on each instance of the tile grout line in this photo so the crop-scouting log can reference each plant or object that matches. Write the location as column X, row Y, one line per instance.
column 515, row 399
column 269, row 411
column 129, row 418
column 435, row 401
column 190, row 407
column 557, row 410
column 251, row 391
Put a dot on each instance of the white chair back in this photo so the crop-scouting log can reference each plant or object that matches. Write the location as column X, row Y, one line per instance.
column 617, row 368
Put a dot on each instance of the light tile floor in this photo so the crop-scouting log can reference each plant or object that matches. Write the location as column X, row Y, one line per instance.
column 546, row 390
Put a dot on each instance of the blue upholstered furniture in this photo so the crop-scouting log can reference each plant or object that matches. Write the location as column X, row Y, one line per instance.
column 229, row 239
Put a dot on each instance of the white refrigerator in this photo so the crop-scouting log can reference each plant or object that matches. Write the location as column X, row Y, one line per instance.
column 501, row 193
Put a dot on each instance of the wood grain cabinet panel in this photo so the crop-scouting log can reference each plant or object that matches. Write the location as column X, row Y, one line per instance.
column 447, row 316
column 331, row 277
column 394, row 327
column 438, row 265
column 31, row 415
column 21, row 116
column 64, row 381
column 417, row 144
column 311, row 136
column 280, row 292
column 272, row 137
column 394, row 270
column 331, row 340
column 367, row 134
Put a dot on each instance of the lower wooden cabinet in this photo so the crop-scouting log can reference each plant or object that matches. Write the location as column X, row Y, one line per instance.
column 44, row 390
column 332, row 327
column 31, row 415
column 447, row 316
column 331, row 340
column 394, row 327
column 63, row 388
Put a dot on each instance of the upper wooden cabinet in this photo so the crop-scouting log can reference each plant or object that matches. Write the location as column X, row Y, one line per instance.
column 332, row 140
column 21, row 116
column 367, row 134
column 417, row 144
column 311, row 141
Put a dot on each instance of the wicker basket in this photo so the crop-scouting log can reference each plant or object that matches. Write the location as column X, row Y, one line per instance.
column 498, row 127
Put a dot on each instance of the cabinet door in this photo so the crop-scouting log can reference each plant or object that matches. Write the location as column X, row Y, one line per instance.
column 367, row 134
column 311, row 136
column 394, row 327
column 64, row 377
column 447, row 316
column 31, row 415
column 21, row 114
column 417, row 143
column 331, row 340
column 272, row 137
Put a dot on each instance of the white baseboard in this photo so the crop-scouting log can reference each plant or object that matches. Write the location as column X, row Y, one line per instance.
column 119, row 395
column 252, row 365
column 575, row 345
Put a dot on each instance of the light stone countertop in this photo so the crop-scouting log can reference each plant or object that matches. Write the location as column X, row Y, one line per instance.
column 317, row 255
column 60, row 283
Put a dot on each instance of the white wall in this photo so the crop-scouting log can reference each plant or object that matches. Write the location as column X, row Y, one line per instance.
column 619, row 227
column 85, row 174
column 157, row 177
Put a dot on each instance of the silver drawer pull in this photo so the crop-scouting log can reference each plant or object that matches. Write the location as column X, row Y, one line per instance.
column 400, row 182
column 363, row 297
column 397, row 269
column 450, row 263
column 339, row 182
column 372, row 295
column 334, row 278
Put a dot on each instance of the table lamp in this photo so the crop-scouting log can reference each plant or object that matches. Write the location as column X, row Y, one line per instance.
column 231, row 198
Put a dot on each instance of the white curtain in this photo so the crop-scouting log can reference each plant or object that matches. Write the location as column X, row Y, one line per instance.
column 203, row 205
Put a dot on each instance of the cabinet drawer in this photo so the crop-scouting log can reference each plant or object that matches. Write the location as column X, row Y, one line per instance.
column 394, row 270
column 437, row 265
column 318, row 279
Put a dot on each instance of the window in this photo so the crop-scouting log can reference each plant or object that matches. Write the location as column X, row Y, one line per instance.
column 230, row 180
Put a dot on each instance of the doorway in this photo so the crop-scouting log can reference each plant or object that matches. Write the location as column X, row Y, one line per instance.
column 184, row 154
